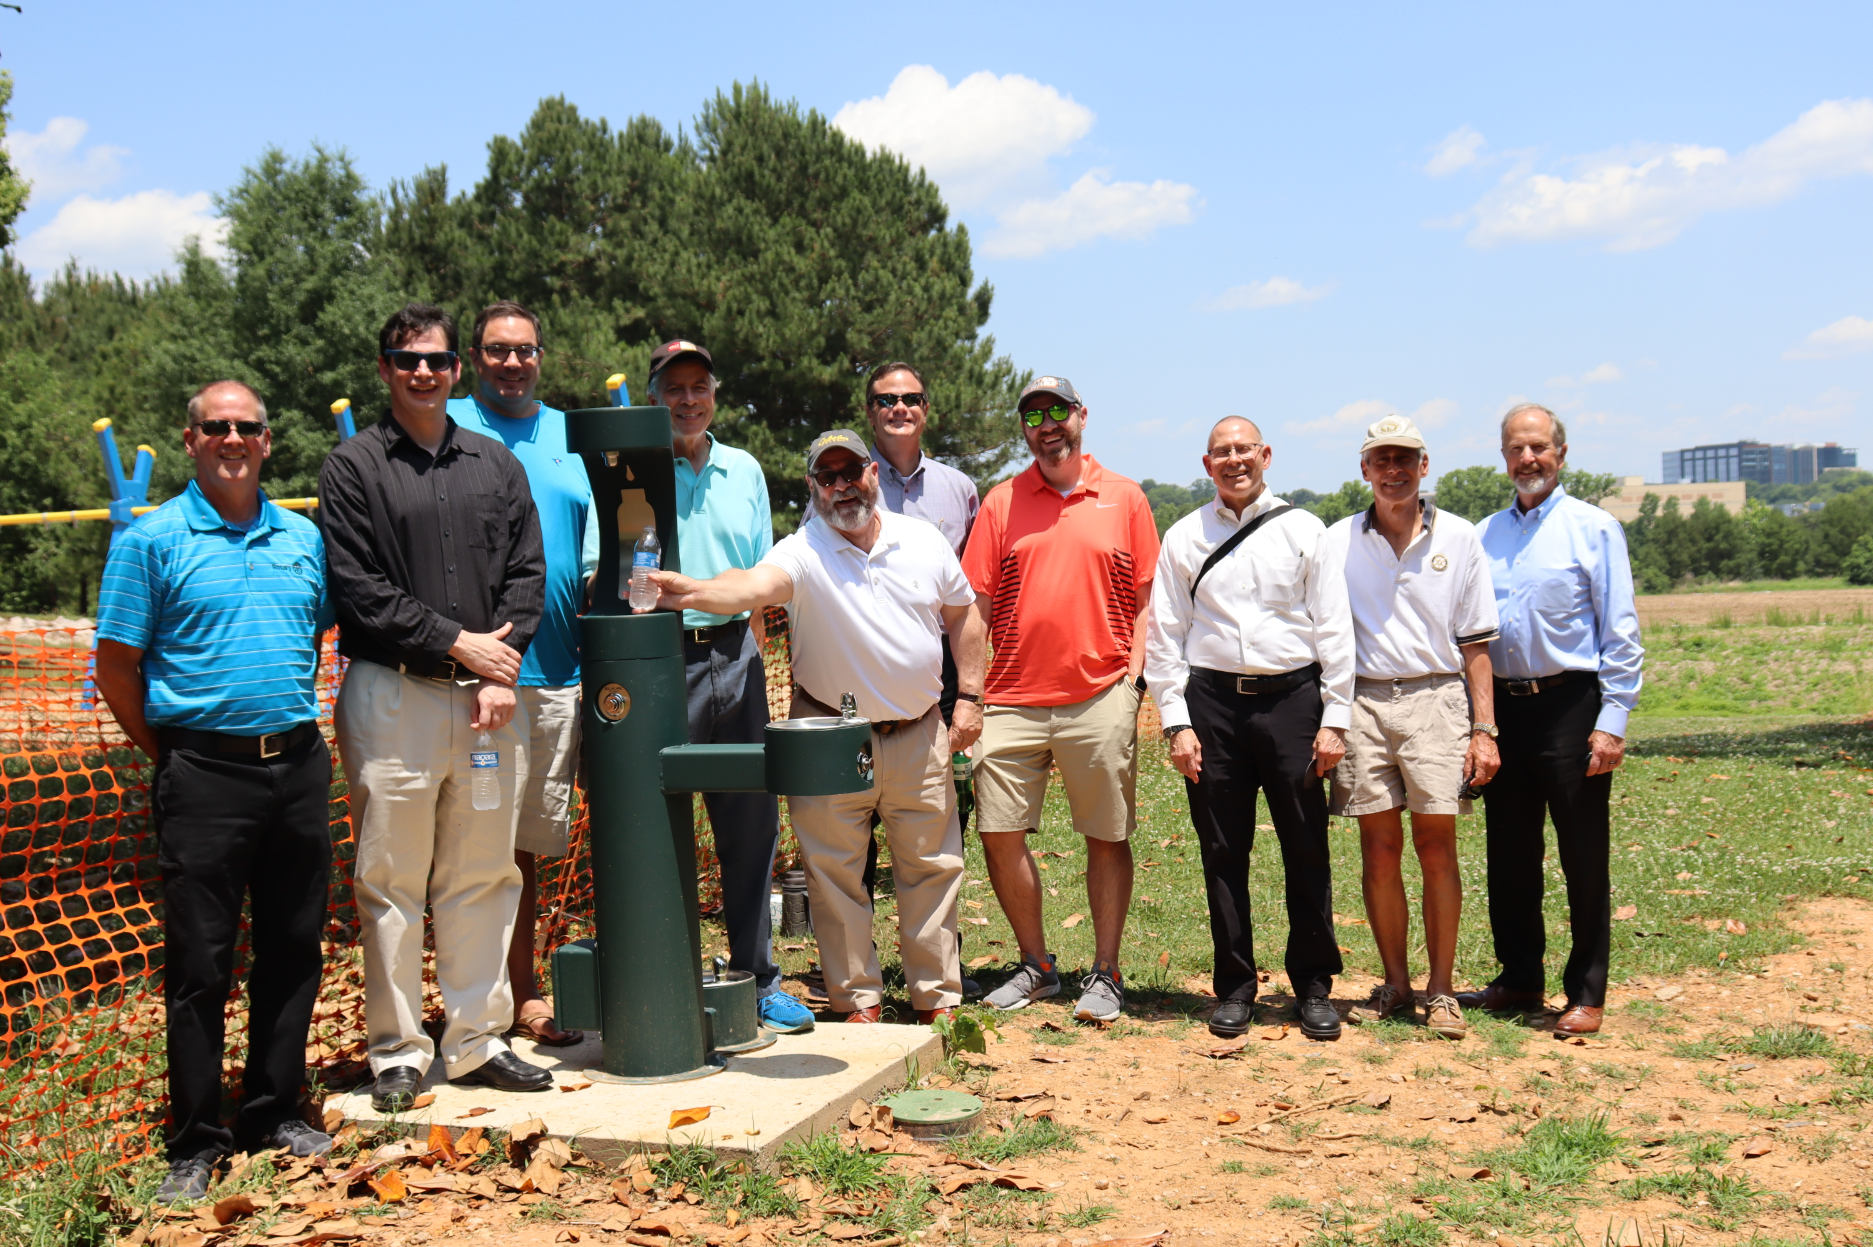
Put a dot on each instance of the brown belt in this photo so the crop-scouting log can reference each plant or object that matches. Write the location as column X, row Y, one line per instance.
column 884, row 727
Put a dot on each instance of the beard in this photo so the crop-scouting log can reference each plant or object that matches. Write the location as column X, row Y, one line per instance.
column 1537, row 482
column 848, row 512
column 1065, row 448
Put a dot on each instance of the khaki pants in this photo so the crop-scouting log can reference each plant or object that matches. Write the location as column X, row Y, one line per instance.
column 914, row 794
column 405, row 743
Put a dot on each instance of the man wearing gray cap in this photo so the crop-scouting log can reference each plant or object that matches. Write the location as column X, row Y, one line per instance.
column 723, row 521
column 1423, row 727
column 871, row 594
column 1061, row 558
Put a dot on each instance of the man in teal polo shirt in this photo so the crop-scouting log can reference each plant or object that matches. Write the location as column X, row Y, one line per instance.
column 209, row 618
column 506, row 349
column 723, row 520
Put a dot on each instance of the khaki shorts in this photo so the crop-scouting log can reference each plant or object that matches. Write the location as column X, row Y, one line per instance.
column 553, row 746
column 1093, row 742
column 1405, row 747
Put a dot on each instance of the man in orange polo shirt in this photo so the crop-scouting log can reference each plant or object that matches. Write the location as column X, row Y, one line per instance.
column 1061, row 560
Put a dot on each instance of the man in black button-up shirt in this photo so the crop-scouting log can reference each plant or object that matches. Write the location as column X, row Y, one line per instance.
column 438, row 576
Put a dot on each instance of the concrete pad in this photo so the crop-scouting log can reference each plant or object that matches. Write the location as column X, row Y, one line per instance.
column 800, row 1086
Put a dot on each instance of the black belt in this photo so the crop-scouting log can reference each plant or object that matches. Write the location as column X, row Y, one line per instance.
column 1528, row 688
column 884, row 727
column 707, row 636
column 442, row 669
column 1256, row 685
column 271, row 745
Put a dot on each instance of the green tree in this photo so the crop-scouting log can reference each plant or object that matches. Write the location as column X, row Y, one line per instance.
column 1783, row 545
column 1858, row 565
column 13, row 188
column 1170, row 503
column 1588, row 486
column 52, row 465
column 1840, row 525
column 1350, row 498
column 1475, row 493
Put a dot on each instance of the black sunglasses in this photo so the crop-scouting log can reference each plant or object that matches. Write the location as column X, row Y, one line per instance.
column 219, row 428
column 885, row 402
column 495, row 351
column 409, row 361
column 831, row 477
column 1034, row 417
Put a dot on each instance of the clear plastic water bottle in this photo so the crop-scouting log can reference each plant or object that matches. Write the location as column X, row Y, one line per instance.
column 484, row 763
column 647, row 558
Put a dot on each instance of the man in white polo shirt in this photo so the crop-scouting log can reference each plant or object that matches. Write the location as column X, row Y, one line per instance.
column 1424, row 613
column 870, row 595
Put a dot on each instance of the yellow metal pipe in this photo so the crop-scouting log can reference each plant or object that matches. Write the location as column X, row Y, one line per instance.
column 103, row 513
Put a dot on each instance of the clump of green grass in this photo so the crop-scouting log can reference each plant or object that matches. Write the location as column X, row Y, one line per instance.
column 1695, row 1049
column 1022, row 1138
column 1561, row 1152
column 1402, row 1230
column 1729, row 1198
column 1231, row 1166
column 1057, row 1039
column 1087, row 1215
column 1286, row 1201
column 757, row 1192
column 1782, row 1040
column 830, row 1164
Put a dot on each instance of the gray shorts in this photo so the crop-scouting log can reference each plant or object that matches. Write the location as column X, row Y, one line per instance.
column 1405, row 747
column 553, row 747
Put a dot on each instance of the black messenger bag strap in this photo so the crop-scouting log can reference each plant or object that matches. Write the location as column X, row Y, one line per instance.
column 1235, row 539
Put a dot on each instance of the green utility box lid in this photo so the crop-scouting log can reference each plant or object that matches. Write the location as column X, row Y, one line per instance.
column 933, row 1114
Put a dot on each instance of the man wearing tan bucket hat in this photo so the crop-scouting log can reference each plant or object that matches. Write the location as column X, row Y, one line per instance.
column 1423, row 729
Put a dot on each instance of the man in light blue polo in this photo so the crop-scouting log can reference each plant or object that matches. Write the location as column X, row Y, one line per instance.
column 724, row 521
column 506, row 349
column 209, row 618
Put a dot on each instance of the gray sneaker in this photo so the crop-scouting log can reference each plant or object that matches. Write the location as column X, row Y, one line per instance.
column 187, row 1180
column 1102, row 998
column 1034, row 980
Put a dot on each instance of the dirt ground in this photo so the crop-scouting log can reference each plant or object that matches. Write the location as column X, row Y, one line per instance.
column 1184, row 1137
column 1746, row 609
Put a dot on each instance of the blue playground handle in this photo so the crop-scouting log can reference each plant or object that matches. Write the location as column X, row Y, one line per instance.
column 126, row 491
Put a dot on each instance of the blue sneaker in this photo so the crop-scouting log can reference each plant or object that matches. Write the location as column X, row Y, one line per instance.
column 785, row 1015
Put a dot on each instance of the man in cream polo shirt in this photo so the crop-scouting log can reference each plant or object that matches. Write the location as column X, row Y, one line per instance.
column 871, row 595
column 1424, row 613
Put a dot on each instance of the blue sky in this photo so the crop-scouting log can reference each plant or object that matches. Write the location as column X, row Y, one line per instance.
column 1658, row 220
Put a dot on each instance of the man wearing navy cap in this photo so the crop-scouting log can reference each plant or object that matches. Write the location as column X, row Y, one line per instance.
column 724, row 521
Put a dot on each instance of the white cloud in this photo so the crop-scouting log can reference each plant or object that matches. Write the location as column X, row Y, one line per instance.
column 1832, row 407
column 1092, row 207
column 1355, row 416
column 136, row 235
column 1647, row 194
column 49, row 160
column 1847, row 336
column 981, row 139
column 1595, row 376
column 1275, row 292
column 1456, row 150
column 988, row 141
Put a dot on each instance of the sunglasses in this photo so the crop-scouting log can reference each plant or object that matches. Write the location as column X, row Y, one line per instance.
column 885, row 402
column 219, row 428
column 495, row 351
column 1035, row 417
column 409, row 361
column 833, row 477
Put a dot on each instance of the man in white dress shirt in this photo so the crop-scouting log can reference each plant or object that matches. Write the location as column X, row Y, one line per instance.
column 1424, row 613
column 1249, row 656
column 870, row 595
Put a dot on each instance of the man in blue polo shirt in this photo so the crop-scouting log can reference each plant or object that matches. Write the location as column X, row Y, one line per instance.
column 723, row 521
column 209, row 617
column 507, row 348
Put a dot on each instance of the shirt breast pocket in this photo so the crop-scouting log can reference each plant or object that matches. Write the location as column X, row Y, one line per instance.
column 1278, row 581
column 487, row 522
column 1559, row 592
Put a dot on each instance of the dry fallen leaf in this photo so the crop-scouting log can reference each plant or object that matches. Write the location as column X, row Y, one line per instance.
column 1072, row 920
column 1228, row 1117
column 1734, row 927
column 1156, row 1119
column 424, row 1100
column 574, row 1086
column 1625, row 912
column 475, row 1112
column 440, row 1140
column 1761, row 1147
column 389, row 1186
column 1229, row 1047
column 1164, row 960
column 233, row 1208
column 987, row 959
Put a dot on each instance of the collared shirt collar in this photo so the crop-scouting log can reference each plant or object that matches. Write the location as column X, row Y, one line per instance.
column 394, row 433
column 889, row 535
column 709, row 462
column 1426, row 509
column 885, row 465
column 1264, row 501
column 1544, row 510
column 1091, row 474
column 203, row 517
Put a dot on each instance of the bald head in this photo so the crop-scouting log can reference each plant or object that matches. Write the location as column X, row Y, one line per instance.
column 1233, row 428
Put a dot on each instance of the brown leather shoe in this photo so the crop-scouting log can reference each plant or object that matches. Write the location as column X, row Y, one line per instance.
column 1579, row 1020
column 1497, row 999
column 927, row 1016
column 871, row 1013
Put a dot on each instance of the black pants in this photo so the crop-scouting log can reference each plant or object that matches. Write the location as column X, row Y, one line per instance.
column 227, row 828
column 1263, row 742
column 1544, row 772
column 728, row 706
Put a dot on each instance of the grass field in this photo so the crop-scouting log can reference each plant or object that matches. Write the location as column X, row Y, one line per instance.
column 1719, row 814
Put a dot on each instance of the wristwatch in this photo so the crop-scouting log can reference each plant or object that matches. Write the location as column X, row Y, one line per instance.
column 974, row 697
column 1488, row 729
column 1170, row 733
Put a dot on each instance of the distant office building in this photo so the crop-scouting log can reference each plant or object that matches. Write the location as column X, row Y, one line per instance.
column 1624, row 505
column 1755, row 461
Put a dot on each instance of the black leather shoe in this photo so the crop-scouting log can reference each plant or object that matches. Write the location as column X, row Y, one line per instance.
column 505, row 1072
column 395, row 1089
column 1319, row 1019
column 1232, row 1018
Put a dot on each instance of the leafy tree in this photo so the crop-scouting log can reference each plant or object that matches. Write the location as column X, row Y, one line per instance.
column 1350, row 498
column 1841, row 523
column 1588, row 486
column 13, row 188
column 52, row 465
column 1784, row 546
column 1858, row 565
column 1475, row 493
column 1170, row 503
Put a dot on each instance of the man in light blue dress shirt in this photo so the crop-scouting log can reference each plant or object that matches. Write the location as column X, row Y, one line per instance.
column 1567, row 667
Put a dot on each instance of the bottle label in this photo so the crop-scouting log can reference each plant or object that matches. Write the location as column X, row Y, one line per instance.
column 477, row 759
column 645, row 558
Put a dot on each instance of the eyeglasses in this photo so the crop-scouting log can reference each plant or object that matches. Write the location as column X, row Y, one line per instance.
column 1223, row 454
column 885, row 402
column 219, row 428
column 833, row 477
column 409, row 361
column 1035, row 416
column 499, row 353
